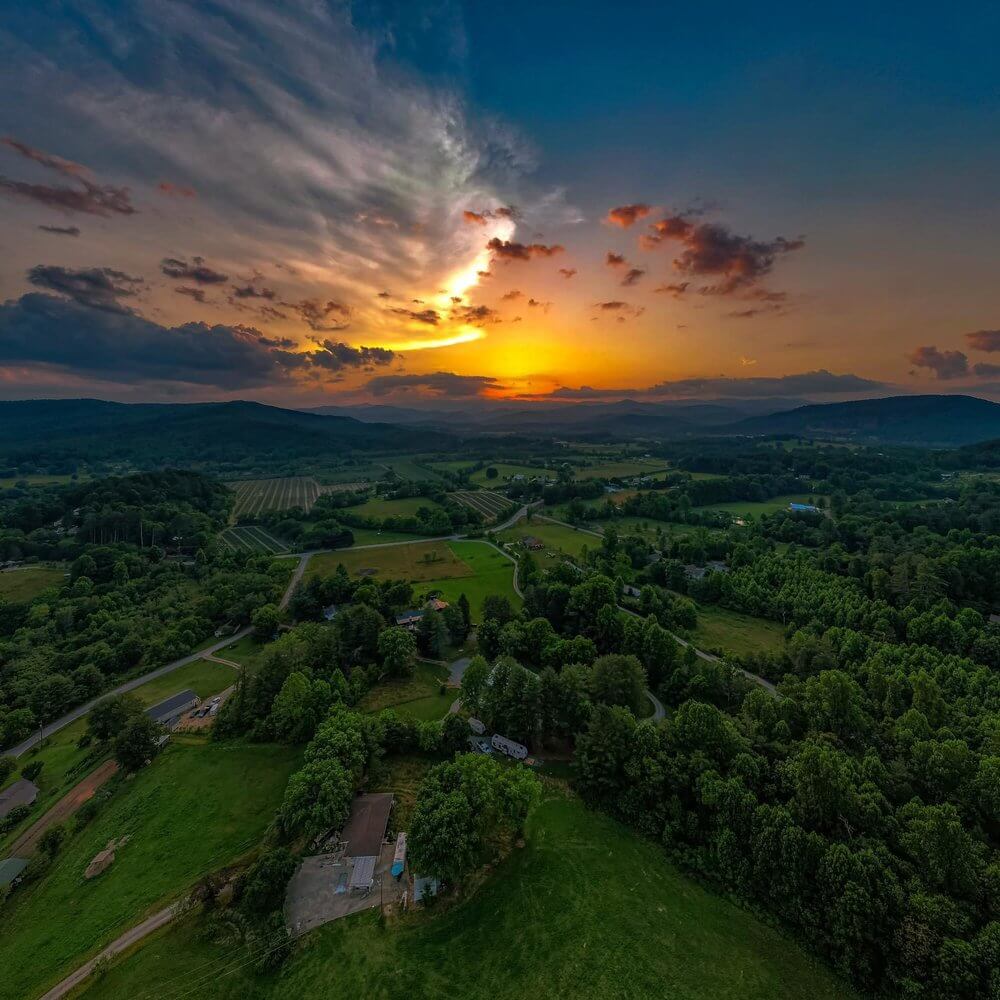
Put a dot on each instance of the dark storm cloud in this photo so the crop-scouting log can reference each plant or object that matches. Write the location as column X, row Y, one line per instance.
column 435, row 384
column 336, row 356
column 506, row 250
column 711, row 250
column 627, row 215
column 983, row 369
column 984, row 340
column 88, row 197
column 197, row 270
column 95, row 287
column 944, row 364
column 61, row 230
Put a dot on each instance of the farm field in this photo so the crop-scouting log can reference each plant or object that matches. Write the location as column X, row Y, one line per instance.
column 378, row 507
column 42, row 479
column 253, row 496
column 505, row 471
column 491, row 573
column 557, row 537
column 375, row 536
column 187, row 813
column 252, row 538
column 751, row 508
column 18, row 585
column 622, row 469
column 413, row 469
column 491, row 505
column 585, row 909
column 736, row 633
column 418, row 696
column 416, row 561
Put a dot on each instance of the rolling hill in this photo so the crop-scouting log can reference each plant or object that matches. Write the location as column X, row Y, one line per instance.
column 931, row 421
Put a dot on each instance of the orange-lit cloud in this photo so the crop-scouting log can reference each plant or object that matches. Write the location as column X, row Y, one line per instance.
column 627, row 215
column 510, row 251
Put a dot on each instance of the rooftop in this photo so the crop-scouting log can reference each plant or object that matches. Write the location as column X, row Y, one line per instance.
column 366, row 826
column 21, row 793
column 10, row 868
column 172, row 705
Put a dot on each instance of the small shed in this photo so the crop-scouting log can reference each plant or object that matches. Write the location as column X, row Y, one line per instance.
column 409, row 619
column 423, row 887
column 803, row 508
column 21, row 793
column 532, row 543
column 11, row 870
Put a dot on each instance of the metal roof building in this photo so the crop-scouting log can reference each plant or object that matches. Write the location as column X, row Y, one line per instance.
column 366, row 826
column 21, row 793
column 169, row 711
column 363, row 874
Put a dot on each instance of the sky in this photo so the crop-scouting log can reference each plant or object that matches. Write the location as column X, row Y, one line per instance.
column 314, row 202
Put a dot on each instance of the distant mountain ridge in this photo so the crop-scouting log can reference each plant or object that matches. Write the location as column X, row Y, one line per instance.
column 934, row 421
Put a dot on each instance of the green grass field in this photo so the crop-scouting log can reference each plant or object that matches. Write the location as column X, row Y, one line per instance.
column 492, row 573
column 18, row 585
column 42, row 479
column 557, row 538
column 247, row 652
column 418, row 696
column 198, row 807
column 736, row 633
column 372, row 536
column 380, row 508
column 745, row 508
column 414, row 469
column 623, row 469
column 505, row 471
column 585, row 909
column 417, row 561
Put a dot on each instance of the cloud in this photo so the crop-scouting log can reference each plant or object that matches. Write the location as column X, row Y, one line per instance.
column 633, row 276
column 627, row 215
column 440, row 384
column 335, row 356
column 475, row 315
column 175, row 190
column 511, row 295
column 251, row 291
column 815, row 383
column 197, row 270
column 94, row 287
column 675, row 291
column 614, row 259
column 615, row 305
column 983, row 369
column 70, row 337
column 567, row 272
column 322, row 316
column 428, row 316
column 984, row 340
column 944, row 364
column 88, row 197
column 198, row 294
column 711, row 250
column 506, row 250
column 482, row 218
column 61, row 230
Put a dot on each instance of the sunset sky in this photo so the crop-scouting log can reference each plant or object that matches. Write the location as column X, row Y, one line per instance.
column 307, row 202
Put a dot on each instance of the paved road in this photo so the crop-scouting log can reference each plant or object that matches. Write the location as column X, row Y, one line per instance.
column 514, row 518
column 82, row 710
column 129, row 938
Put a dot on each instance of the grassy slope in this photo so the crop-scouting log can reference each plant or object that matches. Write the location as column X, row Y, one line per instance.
column 587, row 909
column 23, row 584
column 734, row 632
column 557, row 537
column 414, row 696
column 743, row 508
column 492, row 573
column 407, row 562
column 377, row 507
column 196, row 808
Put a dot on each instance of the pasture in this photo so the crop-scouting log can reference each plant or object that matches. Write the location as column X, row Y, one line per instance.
column 254, row 496
column 626, row 469
column 491, row 505
column 416, row 561
column 556, row 537
column 491, row 573
column 380, row 508
column 585, row 909
column 19, row 585
column 197, row 807
column 252, row 538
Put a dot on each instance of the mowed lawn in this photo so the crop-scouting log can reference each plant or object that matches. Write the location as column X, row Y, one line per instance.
column 418, row 697
column 378, row 507
column 17, row 585
column 197, row 807
column 557, row 538
column 737, row 633
column 585, row 909
column 492, row 573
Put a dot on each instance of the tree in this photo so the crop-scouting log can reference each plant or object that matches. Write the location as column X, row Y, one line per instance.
column 265, row 620
column 8, row 765
column 464, row 809
column 398, row 651
column 431, row 635
column 51, row 841
column 463, row 606
column 261, row 889
column 619, row 680
column 31, row 771
column 491, row 472
column 136, row 743
column 108, row 718
column 497, row 608
column 317, row 799
column 474, row 682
